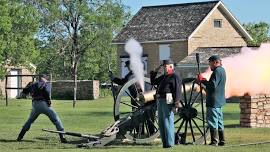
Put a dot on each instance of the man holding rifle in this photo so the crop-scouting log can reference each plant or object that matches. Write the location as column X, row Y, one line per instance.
column 215, row 99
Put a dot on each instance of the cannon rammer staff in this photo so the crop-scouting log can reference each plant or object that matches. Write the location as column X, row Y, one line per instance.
column 199, row 71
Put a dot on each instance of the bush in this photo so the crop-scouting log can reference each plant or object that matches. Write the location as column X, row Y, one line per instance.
column 105, row 92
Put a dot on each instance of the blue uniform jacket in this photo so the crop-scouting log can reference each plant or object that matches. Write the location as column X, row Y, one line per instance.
column 39, row 91
column 167, row 84
column 215, row 88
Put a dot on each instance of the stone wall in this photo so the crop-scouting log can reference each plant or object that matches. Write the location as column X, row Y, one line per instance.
column 255, row 111
column 87, row 89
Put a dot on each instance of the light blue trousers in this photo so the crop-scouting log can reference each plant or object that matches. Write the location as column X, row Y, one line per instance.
column 214, row 118
column 41, row 107
column 166, row 122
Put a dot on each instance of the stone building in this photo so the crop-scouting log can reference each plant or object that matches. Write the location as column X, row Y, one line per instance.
column 178, row 31
column 15, row 82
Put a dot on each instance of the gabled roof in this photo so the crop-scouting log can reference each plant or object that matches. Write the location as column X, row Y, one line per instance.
column 176, row 22
column 230, row 17
column 165, row 22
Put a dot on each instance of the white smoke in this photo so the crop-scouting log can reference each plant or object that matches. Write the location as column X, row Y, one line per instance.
column 134, row 49
column 247, row 72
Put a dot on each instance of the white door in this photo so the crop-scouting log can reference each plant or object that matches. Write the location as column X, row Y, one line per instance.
column 14, row 83
column 124, row 70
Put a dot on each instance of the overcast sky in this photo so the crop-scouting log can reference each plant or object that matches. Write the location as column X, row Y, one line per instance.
column 245, row 11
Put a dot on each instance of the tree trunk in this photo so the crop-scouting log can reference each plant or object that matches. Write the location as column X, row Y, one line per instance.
column 75, row 58
column 75, row 86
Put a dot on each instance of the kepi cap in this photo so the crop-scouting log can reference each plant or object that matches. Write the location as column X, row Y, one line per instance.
column 45, row 76
column 214, row 58
column 164, row 62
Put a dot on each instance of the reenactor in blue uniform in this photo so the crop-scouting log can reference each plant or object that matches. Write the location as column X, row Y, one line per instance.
column 168, row 97
column 41, row 104
column 215, row 99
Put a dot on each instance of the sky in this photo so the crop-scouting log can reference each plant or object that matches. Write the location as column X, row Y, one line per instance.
column 246, row 11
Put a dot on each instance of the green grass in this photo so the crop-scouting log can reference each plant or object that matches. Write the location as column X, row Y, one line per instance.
column 93, row 116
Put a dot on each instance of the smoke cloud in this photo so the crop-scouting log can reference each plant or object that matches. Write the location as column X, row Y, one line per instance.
column 247, row 72
column 134, row 49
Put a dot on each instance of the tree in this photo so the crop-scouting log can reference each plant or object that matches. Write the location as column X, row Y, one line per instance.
column 259, row 32
column 75, row 30
column 18, row 25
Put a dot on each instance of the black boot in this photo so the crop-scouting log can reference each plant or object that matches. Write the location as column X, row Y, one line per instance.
column 214, row 138
column 21, row 134
column 221, row 137
column 62, row 138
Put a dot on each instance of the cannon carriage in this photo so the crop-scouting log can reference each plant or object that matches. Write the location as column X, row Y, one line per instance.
column 190, row 124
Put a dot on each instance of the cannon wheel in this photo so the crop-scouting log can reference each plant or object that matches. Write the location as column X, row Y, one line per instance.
column 189, row 118
column 123, row 108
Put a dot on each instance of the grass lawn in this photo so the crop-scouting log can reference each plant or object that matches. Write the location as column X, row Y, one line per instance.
column 93, row 116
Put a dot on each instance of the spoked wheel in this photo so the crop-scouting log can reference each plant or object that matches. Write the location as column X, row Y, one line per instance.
column 189, row 119
column 143, row 115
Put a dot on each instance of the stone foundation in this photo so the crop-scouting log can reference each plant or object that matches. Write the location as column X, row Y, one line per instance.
column 255, row 111
column 86, row 89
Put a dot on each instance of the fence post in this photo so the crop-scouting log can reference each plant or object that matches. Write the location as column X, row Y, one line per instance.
column 6, row 90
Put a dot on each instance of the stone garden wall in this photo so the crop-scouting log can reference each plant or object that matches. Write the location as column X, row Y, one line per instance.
column 255, row 111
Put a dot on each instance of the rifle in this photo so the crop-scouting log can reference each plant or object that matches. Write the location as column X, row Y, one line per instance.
column 198, row 65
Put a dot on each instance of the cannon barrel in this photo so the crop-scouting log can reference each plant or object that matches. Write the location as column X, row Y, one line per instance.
column 148, row 96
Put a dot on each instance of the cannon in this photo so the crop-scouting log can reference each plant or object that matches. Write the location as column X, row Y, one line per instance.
column 139, row 124
column 189, row 118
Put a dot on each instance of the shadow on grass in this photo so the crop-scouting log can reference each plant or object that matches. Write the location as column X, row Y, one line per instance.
column 75, row 142
column 99, row 113
column 42, row 138
column 114, row 144
column 119, row 142
column 13, row 140
column 232, row 126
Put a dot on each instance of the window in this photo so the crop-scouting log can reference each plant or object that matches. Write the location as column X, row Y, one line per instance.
column 164, row 52
column 217, row 23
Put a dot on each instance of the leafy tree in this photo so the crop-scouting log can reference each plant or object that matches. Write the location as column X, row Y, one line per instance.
column 77, row 30
column 18, row 25
column 259, row 32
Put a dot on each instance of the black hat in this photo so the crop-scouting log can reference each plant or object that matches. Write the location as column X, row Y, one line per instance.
column 127, row 63
column 45, row 76
column 164, row 62
column 214, row 58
